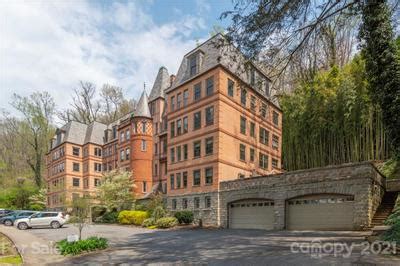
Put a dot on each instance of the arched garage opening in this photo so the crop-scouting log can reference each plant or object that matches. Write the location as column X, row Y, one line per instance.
column 251, row 214
column 320, row 212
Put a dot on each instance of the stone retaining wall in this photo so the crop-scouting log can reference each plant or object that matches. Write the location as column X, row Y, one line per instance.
column 393, row 185
column 209, row 216
column 360, row 180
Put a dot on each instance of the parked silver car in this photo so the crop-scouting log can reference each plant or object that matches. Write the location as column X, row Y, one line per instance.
column 42, row 219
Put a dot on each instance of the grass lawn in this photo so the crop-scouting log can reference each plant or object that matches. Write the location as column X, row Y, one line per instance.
column 8, row 254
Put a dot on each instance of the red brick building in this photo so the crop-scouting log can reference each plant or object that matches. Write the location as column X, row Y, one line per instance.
column 80, row 153
column 214, row 121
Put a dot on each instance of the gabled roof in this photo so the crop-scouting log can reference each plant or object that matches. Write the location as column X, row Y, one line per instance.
column 142, row 107
column 161, row 83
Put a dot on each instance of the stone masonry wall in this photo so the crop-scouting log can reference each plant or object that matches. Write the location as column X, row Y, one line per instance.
column 360, row 180
column 209, row 216
column 393, row 185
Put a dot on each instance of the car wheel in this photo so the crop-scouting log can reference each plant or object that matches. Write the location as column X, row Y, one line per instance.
column 55, row 225
column 22, row 226
column 8, row 222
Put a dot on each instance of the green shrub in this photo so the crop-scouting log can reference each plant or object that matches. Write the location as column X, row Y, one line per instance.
column 156, row 200
column 98, row 212
column 149, row 222
column 140, row 207
column 132, row 217
column 158, row 213
column 166, row 222
column 184, row 217
column 393, row 234
column 108, row 218
column 393, row 218
column 36, row 207
column 77, row 247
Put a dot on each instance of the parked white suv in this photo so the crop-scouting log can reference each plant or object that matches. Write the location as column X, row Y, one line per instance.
column 42, row 219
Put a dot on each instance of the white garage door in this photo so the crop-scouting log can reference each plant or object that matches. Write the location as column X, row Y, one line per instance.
column 327, row 212
column 252, row 214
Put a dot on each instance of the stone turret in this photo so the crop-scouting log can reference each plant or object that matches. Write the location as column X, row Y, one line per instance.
column 142, row 147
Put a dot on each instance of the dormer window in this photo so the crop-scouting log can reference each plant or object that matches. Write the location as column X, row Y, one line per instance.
column 267, row 92
column 193, row 65
column 252, row 77
column 106, row 135
column 114, row 129
column 58, row 138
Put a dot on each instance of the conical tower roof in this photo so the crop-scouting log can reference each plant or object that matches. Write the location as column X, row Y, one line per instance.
column 161, row 83
column 142, row 107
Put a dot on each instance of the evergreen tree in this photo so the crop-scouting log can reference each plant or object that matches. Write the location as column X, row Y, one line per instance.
column 382, row 65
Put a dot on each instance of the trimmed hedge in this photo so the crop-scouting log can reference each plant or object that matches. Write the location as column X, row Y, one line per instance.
column 184, row 217
column 77, row 247
column 166, row 222
column 132, row 217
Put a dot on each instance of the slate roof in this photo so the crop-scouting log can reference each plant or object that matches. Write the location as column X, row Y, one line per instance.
column 215, row 51
column 79, row 133
column 161, row 83
column 75, row 132
column 95, row 133
column 142, row 107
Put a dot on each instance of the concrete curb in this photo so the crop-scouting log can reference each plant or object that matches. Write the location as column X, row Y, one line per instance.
column 14, row 246
column 31, row 248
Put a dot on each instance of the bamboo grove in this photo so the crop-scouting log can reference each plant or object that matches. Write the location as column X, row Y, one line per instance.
column 332, row 120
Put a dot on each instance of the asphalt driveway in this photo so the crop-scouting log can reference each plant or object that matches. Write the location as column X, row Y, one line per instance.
column 133, row 245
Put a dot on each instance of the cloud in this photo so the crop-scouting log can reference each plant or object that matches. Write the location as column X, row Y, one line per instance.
column 51, row 47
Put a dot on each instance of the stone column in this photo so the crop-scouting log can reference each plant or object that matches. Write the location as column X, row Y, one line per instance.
column 279, row 210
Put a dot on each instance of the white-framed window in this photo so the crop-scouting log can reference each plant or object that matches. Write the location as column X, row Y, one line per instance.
column 143, row 127
column 144, row 145
column 122, row 155
column 97, row 167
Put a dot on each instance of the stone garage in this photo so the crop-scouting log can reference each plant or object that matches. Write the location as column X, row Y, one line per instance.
column 343, row 197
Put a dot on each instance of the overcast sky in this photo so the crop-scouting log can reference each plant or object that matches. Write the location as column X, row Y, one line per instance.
column 51, row 45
